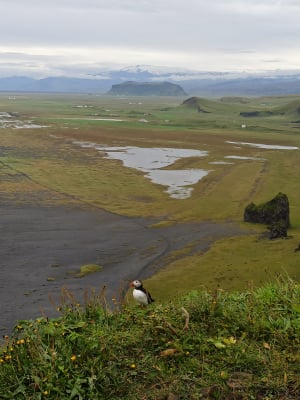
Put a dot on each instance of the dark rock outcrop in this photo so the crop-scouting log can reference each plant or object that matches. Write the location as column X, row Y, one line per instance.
column 275, row 213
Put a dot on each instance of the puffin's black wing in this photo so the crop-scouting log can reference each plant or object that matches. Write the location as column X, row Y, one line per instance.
column 149, row 297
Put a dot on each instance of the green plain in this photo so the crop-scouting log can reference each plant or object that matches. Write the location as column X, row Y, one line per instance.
column 36, row 162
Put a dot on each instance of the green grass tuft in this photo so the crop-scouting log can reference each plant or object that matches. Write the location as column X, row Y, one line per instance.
column 88, row 269
column 203, row 345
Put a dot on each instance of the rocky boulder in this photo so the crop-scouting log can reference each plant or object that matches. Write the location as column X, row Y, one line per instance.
column 275, row 213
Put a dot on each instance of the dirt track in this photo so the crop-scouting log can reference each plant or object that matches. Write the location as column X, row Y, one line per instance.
column 42, row 249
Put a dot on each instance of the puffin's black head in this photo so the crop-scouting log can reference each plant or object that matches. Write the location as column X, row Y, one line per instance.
column 136, row 284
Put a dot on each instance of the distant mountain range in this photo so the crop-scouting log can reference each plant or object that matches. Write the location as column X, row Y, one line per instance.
column 206, row 84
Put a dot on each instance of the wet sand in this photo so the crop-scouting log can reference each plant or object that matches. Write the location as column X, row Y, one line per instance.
column 42, row 249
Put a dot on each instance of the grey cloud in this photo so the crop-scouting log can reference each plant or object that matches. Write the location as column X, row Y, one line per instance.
column 273, row 60
column 121, row 5
column 194, row 29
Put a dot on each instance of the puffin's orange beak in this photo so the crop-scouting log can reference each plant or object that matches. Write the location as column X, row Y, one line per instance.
column 131, row 284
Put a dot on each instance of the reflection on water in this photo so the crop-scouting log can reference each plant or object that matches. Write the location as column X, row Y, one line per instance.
column 265, row 146
column 221, row 163
column 152, row 160
column 9, row 120
column 145, row 159
column 176, row 180
column 245, row 158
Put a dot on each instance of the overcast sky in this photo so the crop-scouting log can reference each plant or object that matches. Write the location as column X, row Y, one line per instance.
column 41, row 38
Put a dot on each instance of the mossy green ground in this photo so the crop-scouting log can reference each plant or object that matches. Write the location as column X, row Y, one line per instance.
column 206, row 345
column 88, row 269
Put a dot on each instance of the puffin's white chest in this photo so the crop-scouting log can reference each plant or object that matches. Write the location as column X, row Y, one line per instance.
column 140, row 297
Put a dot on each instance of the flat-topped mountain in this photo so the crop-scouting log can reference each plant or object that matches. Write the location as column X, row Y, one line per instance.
column 146, row 89
column 206, row 84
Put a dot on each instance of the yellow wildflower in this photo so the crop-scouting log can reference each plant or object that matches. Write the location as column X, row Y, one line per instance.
column 230, row 340
column 73, row 357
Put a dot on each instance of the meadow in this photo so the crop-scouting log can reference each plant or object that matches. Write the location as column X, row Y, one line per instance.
column 205, row 345
column 35, row 160
column 225, row 323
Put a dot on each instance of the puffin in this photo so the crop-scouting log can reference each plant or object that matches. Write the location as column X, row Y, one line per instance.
column 140, row 294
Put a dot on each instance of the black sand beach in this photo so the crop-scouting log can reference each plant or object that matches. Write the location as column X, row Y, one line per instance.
column 42, row 249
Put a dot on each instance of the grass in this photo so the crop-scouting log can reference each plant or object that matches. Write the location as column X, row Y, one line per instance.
column 88, row 269
column 242, row 340
column 44, row 166
column 231, row 264
column 209, row 345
